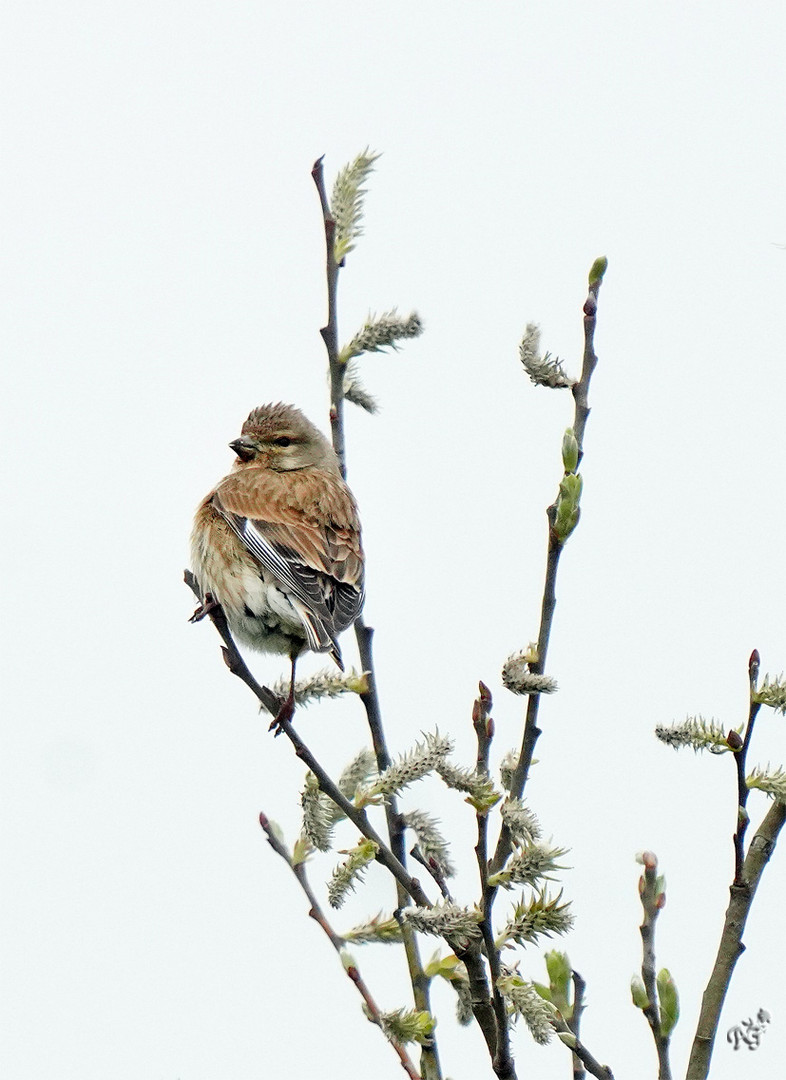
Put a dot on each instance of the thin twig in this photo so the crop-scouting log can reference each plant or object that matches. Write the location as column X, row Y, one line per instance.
column 740, row 761
column 396, row 834
column 272, row 703
column 502, row 1059
column 420, row 984
column 555, row 546
column 329, row 331
column 406, row 886
column 731, row 947
column 409, row 884
column 651, row 903
column 592, row 1065
column 269, row 701
column 318, row 915
column 579, row 986
column 435, row 872
column 480, row 995
column 232, row 658
column 531, row 729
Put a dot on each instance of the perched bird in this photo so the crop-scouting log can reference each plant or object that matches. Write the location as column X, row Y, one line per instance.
column 277, row 542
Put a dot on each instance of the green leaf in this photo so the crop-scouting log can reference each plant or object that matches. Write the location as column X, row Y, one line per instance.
column 639, row 993
column 669, row 1002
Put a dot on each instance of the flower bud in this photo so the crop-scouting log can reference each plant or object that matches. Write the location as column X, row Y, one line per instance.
column 347, row 959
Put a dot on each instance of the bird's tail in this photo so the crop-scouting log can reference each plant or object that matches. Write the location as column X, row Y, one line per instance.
column 319, row 637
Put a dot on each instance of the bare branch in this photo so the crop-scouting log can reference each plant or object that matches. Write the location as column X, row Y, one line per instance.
column 731, row 947
column 555, row 547
column 316, row 913
column 652, row 900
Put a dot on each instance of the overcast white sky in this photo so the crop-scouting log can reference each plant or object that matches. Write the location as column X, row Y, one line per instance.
column 164, row 274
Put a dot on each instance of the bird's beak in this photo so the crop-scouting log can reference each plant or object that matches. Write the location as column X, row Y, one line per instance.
column 244, row 448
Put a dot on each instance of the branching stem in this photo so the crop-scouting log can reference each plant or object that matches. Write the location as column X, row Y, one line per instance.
column 740, row 761
column 531, row 729
column 748, row 870
column 488, row 1004
column 318, row 915
column 590, row 1063
column 731, row 947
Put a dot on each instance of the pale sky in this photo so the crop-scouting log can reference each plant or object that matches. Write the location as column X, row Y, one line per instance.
column 164, row 259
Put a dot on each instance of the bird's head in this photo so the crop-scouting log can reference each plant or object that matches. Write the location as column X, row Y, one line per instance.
column 280, row 437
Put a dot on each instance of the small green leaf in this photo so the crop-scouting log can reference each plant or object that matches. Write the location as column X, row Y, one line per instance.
column 445, row 967
column 301, row 851
column 638, row 993
column 669, row 1002
column 560, row 971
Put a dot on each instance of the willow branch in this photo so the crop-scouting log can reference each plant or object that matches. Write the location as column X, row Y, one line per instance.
column 232, row 658
column 574, row 1024
column 272, row 704
column 502, row 1059
column 531, row 729
column 329, row 331
column 409, row 884
column 731, row 947
column 740, row 762
column 433, row 870
column 364, row 634
column 318, row 915
column 591, row 1064
column 480, row 995
column 651, row 904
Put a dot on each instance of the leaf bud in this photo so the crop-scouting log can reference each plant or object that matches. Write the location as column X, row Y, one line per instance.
column 669, row 1002
column 638, row 993
column 598, row 269
column 570, row 451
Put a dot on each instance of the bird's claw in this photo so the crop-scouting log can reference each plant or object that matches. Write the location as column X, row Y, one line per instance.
column 208, row 605
column 283, row 716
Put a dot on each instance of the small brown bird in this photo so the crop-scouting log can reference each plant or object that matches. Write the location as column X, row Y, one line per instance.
column 277, row 542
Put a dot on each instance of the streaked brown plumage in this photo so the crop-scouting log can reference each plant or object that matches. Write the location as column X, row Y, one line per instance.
column 277, row 542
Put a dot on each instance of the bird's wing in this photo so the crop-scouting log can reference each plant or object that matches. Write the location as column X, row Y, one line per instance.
column 302, row 526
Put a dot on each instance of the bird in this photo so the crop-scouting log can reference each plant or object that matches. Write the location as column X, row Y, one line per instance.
column 277, row 542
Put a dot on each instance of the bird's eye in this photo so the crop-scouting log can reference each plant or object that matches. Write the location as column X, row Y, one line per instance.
column 282, row 440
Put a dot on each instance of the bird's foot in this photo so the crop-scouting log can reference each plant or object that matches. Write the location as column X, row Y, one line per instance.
column 284, row 714
column 208, row 604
